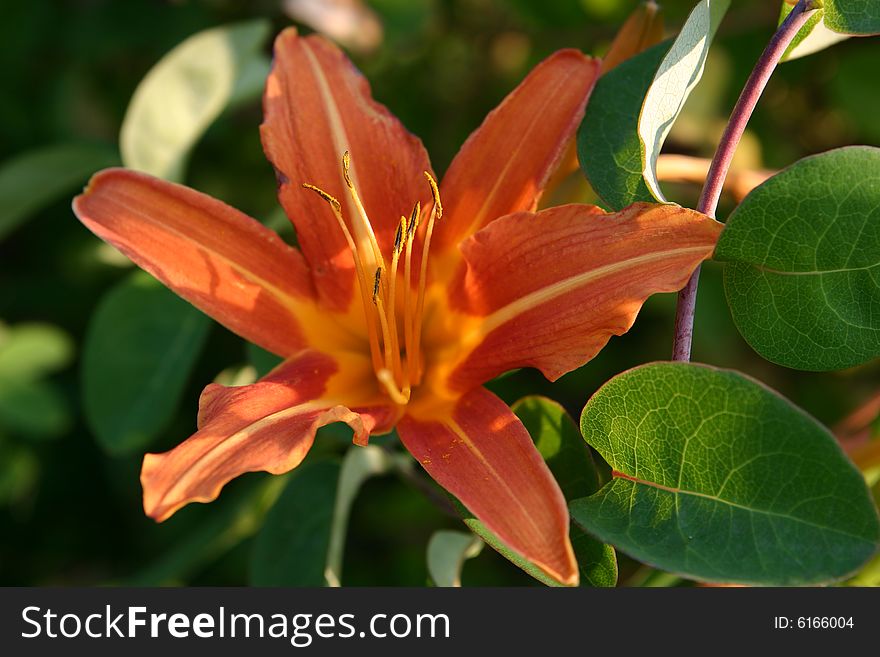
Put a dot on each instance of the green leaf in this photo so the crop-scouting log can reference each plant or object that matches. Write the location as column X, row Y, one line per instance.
column 360, row 464
column 803, row 262
column 140, row 347
column 853, row 16
column 33, row 408
column 33, row 180
column 233, row 519
column 678, row 74
column 812, row 37
column 187, row 90
column 633, row 106
column 447, row 552
column 609, row 150
column 719, row 478
column 30, row 351
column 291, row 548
column 303, row 538
column 560, row 444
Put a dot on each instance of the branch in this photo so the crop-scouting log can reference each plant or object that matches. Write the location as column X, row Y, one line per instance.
column 742, row 112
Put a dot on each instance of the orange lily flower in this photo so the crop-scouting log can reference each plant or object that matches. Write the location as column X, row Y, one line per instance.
column 396, row 308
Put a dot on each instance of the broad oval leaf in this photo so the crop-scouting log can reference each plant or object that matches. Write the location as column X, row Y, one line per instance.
column 140, row 347
column 853, row 16
column 678, row 74
column 719, row 478
column 802, row 277
column 447, row 552
column 187, row 90
column 559, row 443
column 33, row 180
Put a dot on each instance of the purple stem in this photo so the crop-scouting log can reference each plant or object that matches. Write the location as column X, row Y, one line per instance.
column 742, row 112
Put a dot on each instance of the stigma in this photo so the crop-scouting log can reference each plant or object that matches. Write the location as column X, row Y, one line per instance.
column 393, row 300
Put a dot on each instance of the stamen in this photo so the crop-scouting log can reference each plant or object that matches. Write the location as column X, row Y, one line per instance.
column 392, row 299
column 363, row 229
column 407, row 291
column 386, row 378
column 376, row 281
column 435, row 192
column 413, row 364
column 362, row 278
column 391, row 348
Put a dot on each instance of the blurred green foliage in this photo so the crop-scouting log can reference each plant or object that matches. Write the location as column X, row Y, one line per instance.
column 70, row 512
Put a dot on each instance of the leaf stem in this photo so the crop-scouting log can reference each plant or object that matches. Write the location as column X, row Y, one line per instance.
column 742, row 112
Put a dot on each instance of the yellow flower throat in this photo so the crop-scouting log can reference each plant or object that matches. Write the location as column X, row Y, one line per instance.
column 398, row 367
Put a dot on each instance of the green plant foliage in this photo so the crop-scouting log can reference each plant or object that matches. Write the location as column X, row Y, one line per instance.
column 812, row 37
column 447, row 552
column 291, row 548
column 187, row 90
column 609, row 150
column 853, row 16
column 803, row 262
column 721, row 479
column 302, row 541
column 557, row 439
column 35, row 179
column 233, row 519
column 633, row 106
column 29, row 405
column 141, row 345
column 678, row 74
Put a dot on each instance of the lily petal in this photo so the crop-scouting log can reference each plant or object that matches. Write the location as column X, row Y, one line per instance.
column 220, row 260
column 317, row 105
column 480, row 452
column 548, row 290
column 504, row 165
column 267, row 426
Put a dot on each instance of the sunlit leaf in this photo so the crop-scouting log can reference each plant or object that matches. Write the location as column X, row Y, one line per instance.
column 803, row 262
column 29, row 351
column 140, row 347
column 719, row 478
column 30, row 406
column 447, row 552
column 678, row 74
column 812, row 37
column 187, row 90
column 853, row 16
column 33, row 180
column 609, row 150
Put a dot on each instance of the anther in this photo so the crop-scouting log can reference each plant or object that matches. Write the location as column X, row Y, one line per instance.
column 435, row 192
column 346, row 165
column 398, row 236
column 376, row 281
column 324, row 195
column 414, row 220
